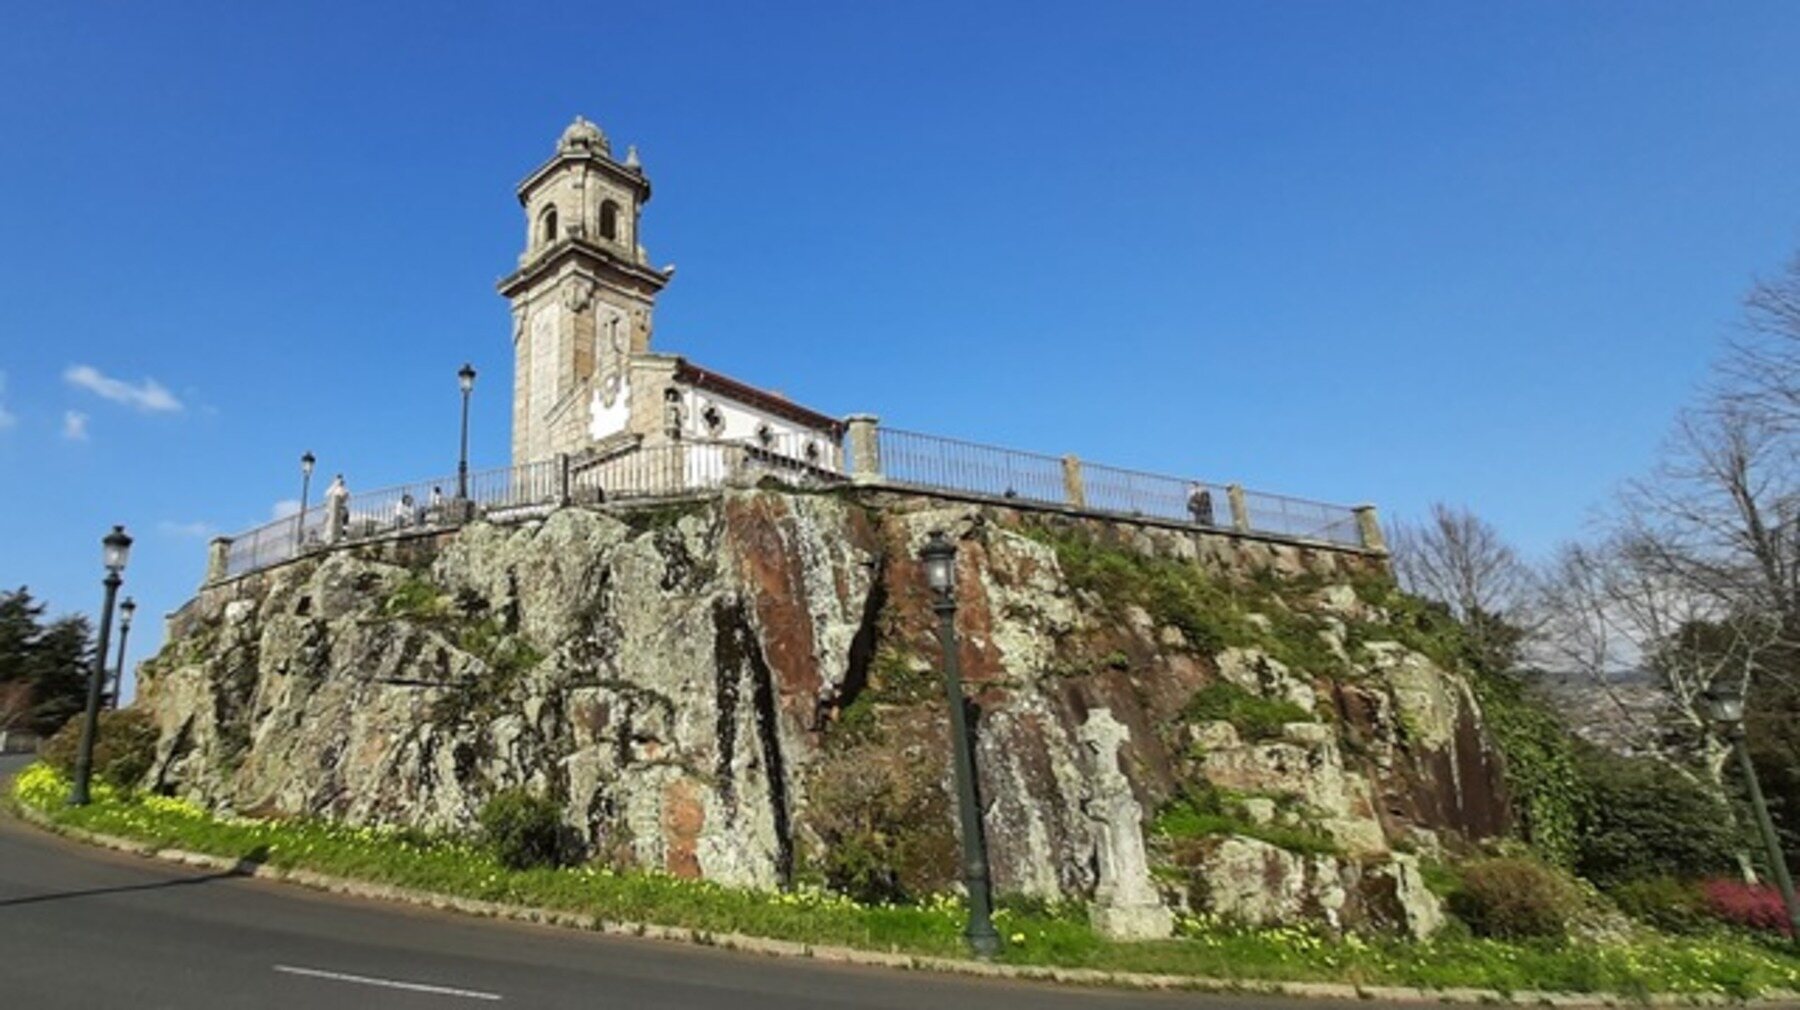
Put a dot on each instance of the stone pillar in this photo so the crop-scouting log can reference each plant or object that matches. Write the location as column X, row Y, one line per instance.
column 218, row 554
column 1126, row 903
column 865, row 448
column 1074, row 488
column 1240, row 512
column 1368, row 526
column 651, row 376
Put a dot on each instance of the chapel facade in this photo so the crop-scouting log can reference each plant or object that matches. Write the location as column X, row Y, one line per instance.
column 586, row 382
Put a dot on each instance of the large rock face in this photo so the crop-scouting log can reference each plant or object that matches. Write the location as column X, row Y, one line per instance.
column 743, row 689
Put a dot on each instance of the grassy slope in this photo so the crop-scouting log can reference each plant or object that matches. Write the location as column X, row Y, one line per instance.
column 1719, row 964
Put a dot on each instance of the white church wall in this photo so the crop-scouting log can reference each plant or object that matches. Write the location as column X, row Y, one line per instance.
column 610, row 420
column 740, row 422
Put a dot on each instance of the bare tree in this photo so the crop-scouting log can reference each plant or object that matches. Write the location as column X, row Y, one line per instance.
column 1761, row 370
column 1460, row 560
column 1696, row 582
column 1628, row 609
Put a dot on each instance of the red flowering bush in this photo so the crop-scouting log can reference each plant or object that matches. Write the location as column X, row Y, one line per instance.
column 1749, row 906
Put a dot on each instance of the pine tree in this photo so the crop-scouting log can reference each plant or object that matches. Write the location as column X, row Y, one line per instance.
column 44, row 668
column 60, row 666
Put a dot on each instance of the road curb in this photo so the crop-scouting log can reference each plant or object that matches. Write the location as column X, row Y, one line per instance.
column 857, row 956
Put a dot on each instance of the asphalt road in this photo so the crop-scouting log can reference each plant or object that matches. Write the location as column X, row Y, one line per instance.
column 84, row 927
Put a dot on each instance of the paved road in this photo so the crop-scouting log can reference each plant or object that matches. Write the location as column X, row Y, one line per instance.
column 83, row 927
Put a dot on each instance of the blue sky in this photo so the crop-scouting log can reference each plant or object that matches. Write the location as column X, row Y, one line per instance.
column 1398, row 253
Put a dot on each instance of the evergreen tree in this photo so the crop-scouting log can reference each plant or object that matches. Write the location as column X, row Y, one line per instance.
column 60, row 666
column 19, row 615
column 44, row 668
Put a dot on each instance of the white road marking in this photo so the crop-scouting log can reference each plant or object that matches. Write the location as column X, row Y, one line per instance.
column 388, row 983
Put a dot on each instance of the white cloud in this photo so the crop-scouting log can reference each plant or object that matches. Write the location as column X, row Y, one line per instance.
column 284, row 508
column 195, row 530
column 7, row 417
column 75, row 426
column 149, row 396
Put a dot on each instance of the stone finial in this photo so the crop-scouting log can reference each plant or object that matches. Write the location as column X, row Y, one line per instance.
column 1126, row 904
column 583, row 135
column 631, row 157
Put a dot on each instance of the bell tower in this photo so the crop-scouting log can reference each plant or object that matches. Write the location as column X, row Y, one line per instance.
column 581, row 298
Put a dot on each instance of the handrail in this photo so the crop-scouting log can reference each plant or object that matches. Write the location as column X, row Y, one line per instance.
column 893, row 457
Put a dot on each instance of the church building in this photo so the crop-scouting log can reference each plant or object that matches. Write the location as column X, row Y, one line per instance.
column 586, row 383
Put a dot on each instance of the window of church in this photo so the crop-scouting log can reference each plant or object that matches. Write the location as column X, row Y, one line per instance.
column 547, row 225
column 609, row 221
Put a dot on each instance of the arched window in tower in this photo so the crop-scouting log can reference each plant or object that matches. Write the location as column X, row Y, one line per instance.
column 547, row 225
column 609, row 221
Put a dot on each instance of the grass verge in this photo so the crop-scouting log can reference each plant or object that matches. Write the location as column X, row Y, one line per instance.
column 1725, row 964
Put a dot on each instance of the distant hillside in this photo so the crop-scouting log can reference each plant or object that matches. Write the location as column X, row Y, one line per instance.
column 1608, row 715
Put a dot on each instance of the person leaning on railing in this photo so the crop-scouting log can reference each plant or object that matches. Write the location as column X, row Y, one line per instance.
column 1200, row 504
column 404, row 512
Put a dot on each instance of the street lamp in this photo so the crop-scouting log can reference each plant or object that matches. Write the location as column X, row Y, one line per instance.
column 465, row 378
column 1726, row 708
column 306, row 469
column 115, row 551
column 939, row 557
column 126, row 609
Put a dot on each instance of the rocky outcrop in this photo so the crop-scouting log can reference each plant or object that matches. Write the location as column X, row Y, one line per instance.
column 743, row 689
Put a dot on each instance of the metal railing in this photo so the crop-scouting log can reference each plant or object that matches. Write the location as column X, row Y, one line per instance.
column 1135, row 493
column 947, row 464
column 898, row 458
column 633, row 472
column 931, row 462
column 1298, row 517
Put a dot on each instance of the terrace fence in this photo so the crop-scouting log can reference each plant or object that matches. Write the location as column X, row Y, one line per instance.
column 869, row 455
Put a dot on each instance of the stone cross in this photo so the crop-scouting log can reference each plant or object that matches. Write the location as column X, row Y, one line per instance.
column 1126, row 905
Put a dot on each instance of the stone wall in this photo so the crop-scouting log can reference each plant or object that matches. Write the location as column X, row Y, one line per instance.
column 744, row 688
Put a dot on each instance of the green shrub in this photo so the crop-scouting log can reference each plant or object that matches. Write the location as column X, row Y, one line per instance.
column 883, row 819
column 1641, row 820
column 1673, row 906
column 1253, row 716
column 525, row 830
column 1510, row 898
column 417, row 598
column 124, row 747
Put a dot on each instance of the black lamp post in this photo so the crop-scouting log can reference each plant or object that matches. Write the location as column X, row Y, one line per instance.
column 465, row 377
column 939, row 556
column 306, row 469
column 1726, row 708
column 126, row 609
column 116, row 550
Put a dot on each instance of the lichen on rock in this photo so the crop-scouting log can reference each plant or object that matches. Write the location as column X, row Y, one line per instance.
column 743, row 688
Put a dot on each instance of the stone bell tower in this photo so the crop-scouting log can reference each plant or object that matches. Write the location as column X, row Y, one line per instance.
column 581, row 298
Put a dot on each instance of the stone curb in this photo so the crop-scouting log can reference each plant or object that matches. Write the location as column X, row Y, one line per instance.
column 857, row 956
